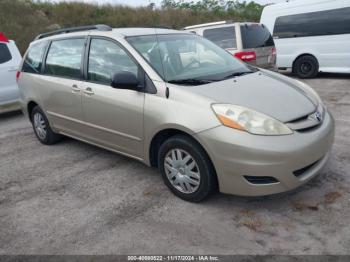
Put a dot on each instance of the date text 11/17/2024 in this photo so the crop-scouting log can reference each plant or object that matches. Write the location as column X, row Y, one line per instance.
column 173, row 258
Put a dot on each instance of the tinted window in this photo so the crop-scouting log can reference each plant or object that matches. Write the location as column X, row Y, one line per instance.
column 224, row 37
column 64, row 58
column 33, row 60
column 255, row 36
column 107, row 58
column 331, row 22
column 5, row 54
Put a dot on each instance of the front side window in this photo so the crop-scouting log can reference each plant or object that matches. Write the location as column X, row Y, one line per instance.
column 225, row 37
column 107, row 58
column 330, row 22
column 33, row 61
column 256, row 36
column 5, row 54
column 64, row 58
column 190, row 57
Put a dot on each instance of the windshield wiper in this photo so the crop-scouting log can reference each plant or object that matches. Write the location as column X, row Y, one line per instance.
column 190, row 81
column 235, row 74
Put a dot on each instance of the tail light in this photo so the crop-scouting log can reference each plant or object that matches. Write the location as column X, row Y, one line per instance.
column 3, row 38
column 274, row 52
column 18, row 74
column 246, row 56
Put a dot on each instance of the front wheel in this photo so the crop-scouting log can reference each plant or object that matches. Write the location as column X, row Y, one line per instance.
column 186, row 169
column 42, row 127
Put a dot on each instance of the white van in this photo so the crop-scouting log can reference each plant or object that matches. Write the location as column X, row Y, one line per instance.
column 311, row 36
column 10, row 58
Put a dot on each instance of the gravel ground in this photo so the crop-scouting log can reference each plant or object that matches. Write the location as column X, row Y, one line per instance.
column 73, row 198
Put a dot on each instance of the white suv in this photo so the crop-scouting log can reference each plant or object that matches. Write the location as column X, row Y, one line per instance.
column 10, row 58
column 249, row 42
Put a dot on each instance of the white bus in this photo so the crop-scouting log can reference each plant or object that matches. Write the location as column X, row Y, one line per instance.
column 311, row 36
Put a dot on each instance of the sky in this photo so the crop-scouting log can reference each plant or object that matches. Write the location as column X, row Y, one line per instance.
column 146, row 2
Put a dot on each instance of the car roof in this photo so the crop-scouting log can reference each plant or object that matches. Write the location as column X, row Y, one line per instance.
column 113, row 32
column 135, row 31
column 296, row 3
column 216, row 25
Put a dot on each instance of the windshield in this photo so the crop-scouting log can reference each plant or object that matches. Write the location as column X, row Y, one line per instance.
column 187, row 58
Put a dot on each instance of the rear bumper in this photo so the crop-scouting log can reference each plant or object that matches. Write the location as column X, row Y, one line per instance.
column 9, row 106
column 9, row 95
column 291, row 160
column 271, row 67
column 9, row 102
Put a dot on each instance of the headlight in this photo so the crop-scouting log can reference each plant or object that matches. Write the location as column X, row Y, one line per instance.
column 245, row 119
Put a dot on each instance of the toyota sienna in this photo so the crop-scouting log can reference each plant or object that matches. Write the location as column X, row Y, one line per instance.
column 176, row 101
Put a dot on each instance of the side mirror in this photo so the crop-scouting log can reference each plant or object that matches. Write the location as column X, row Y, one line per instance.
column 125, row 80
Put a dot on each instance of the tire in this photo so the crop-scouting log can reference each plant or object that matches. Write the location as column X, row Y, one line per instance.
column 175, row 172
column 42, row 127
column 306, row 67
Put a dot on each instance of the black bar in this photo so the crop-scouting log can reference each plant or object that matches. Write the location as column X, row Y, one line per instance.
column 75, row 29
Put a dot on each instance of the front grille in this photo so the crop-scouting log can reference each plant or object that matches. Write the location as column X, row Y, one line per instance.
column 303, row 118
column 302, row 171
column 261, row 180
column 308, row 122
column 303, row 124
column 308, row 129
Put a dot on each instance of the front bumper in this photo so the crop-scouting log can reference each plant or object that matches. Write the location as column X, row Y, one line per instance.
column 236, row 154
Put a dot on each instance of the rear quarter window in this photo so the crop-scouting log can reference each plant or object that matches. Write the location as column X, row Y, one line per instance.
column 225, row 37
column 5, row 54
column 255, row 36
column 33, row 60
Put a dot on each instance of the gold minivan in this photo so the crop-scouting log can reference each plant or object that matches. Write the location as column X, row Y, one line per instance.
column 249, row 42
column 176, row 101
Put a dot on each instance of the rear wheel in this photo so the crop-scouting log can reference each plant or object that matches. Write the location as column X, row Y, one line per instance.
column 186, row 169
column 42, row 127
column 306, row 67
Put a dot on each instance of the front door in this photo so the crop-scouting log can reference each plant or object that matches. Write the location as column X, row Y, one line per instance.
column 114, row 117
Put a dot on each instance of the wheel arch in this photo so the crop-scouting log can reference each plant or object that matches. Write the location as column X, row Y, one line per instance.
column 30, row 106
column 301, row 55
column 161, row 136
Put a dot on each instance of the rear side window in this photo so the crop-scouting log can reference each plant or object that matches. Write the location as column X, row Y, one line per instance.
column 5, row 54
column 64, row 58
column 330, row 22
column 255, row 36
column 33, row 61
column 225, row 37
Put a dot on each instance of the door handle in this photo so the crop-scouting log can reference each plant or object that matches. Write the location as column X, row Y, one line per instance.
column 75, row 89
column 88, row 91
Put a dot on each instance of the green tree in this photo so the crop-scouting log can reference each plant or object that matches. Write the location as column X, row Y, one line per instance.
column 22, row 20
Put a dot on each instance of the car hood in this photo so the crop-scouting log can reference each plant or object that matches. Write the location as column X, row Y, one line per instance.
column 275, row 95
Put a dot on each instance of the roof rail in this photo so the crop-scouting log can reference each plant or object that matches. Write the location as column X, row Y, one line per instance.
column 74, row 29
column 208, row 24
column 162, row 27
